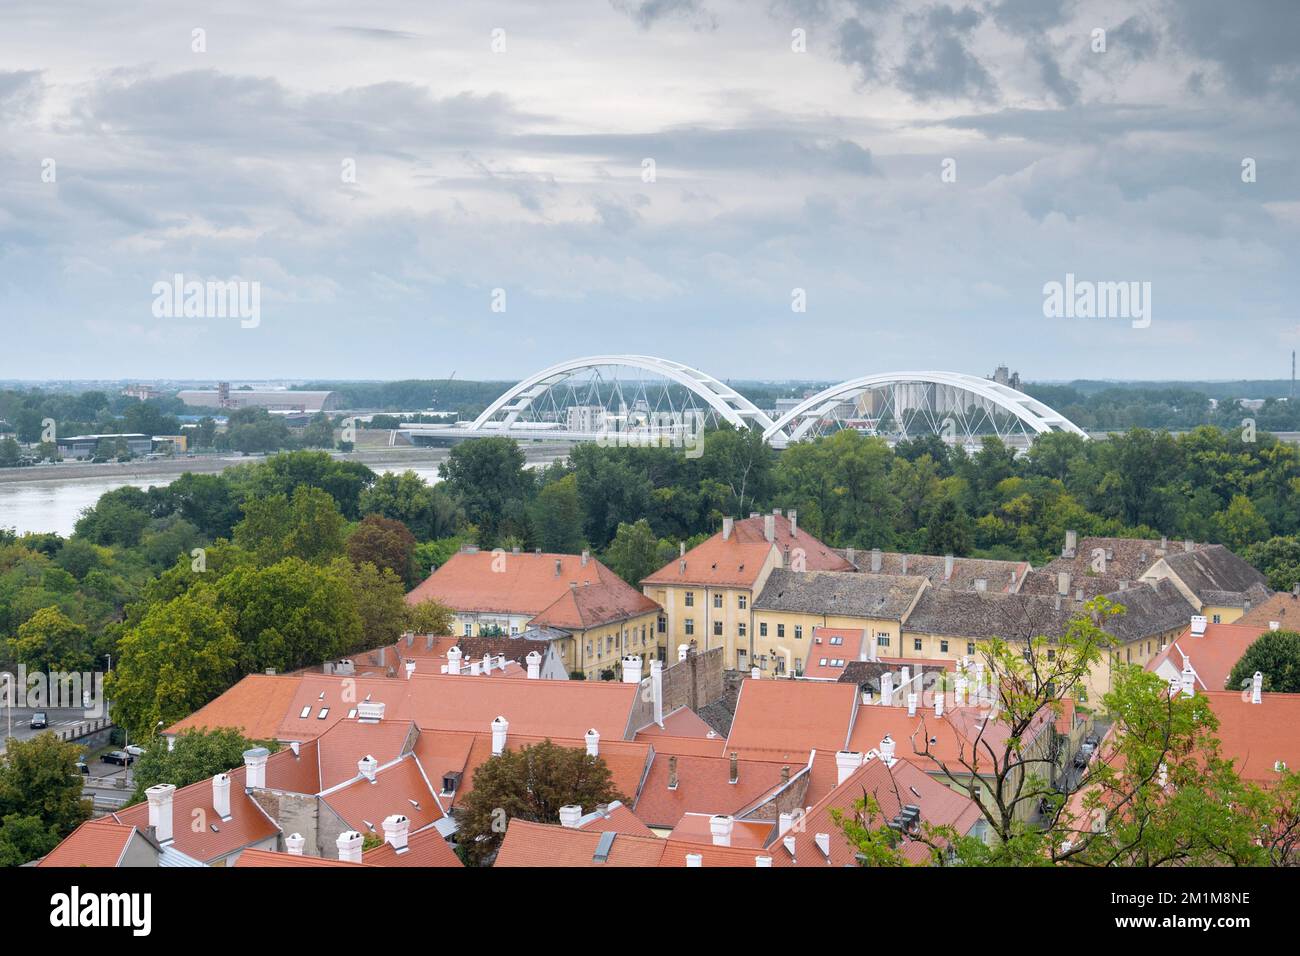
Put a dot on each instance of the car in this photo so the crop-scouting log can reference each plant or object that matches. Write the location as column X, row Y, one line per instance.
column 135, row 751
column 118, row 757
column 1085, row 753
column 82, row 767
column 40, row 720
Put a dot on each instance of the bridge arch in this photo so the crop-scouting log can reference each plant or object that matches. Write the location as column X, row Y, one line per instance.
column 726, row 402
column 970, row 405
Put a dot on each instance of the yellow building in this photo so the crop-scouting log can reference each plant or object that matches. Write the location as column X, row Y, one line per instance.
column 708, row 593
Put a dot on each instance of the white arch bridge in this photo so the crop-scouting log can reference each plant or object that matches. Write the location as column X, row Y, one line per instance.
column 644, row 400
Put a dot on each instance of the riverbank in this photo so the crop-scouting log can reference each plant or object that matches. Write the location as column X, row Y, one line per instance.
column 378, row 459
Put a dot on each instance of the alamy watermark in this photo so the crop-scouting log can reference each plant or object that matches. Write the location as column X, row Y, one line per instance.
column 1084, row 299
column 683, row 429
column 55, row 690
column 211, row 299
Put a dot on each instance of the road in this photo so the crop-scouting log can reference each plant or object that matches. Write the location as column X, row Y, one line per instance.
column 22, row 718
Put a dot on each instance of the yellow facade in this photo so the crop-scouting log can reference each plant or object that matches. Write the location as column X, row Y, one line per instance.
column 783, row 639
column 591, row 651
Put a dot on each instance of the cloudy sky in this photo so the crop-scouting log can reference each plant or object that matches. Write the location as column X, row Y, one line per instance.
column 794, row 145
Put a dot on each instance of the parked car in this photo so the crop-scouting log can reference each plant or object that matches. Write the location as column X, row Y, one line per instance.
column 120, row 757
column 81, row 766
column 40, row 720
column 1085, row 753
column 135, row 751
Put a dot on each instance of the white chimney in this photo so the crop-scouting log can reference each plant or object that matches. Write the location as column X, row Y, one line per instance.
column 721, row 826
column 755, row 674
column 911, row 704
column 794, row 523
column 1274, row 625
column 875, row 560
column 947, row 567
column 846, row 761
column 371, row 711
column 1071, row 543
column 534, row 662
column 657, row 689
column 694, row 859
column 397, row 830
column 453, row 660
column 887, row 689
column 769, row 527
column 1198, row 625
column 586, row 557
column 1257, row 688
column 499, row 728
column 221, row 795
column 349, row 844
column 368, row 767
column 887, row 750
column 632, row 669
column 410, row 667
column 784, row 822
column 593, row 743
column 682, row 651
column 1188, row 683
column 293, row 844
column 904, row 676
column 823, row 841
column 255, row 764
column 160, row 810
column 1063, row 583
column 727, row 525
column 487, row 665
column 570, row 815
column 789, row 844
column 938, row 702
column 959, row 698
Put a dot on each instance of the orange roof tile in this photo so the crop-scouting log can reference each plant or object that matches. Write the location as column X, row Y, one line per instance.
column 1256, row 736
column 704, row 786
column 669, row 744
column 792, row 715
column 617, row 818
column 217, row 838
column 676, row 851
column 537, row 585
column 698, row 828
column 682, row 722
column 426, row 848
column 97, row 843
column 398, row 788
column 824, row 651
column 255, row 705
column 270, row 858
column 542, row 844
column 1213, row 654
column 817, row 555
column 349, row 741
column 716, row 563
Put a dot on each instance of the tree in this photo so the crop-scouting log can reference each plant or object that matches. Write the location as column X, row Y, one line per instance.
column 430, row 617
column 196, row 754
column 50, row 641
column 429, row 511
column 10, row 452
column 380, row 602
column 39, row 778
column 635, row 553
column 118, row 518
column 557, row 517
column 24, row 838
column 206, row 501
column 1241, row 524
column 1276, row 655
column 385, row 543
column 319, row 432
column 531, row 784
column 181, row 655
column 487, row 475
column 308, row 526
column 1277, row 558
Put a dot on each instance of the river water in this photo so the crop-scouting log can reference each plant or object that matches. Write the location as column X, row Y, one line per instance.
column 56, row 504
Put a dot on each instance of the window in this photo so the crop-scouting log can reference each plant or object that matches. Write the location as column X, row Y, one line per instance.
column 762, row 628
column 780, row 630
column 306, row 712
column 837, row 662
column 663, row 625
column 798, row 632
column 742, row 601
column 352, row 714
column 740, row 630
column 690, row 599
column 916, row 643
column 717, row 628
column 324, row 712
column 717, row 601
column 882, row 640
column 469, row 629
column 690, row 626
column 514, row 629
column 836, row 641
column 822, row 662
column 1217, row 620
column 798, row 665
column 970, row 647
column 1051, row 654
column 943, row 647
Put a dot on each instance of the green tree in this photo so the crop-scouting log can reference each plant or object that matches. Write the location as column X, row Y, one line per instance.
column 1278, row 559
column 181, row 655
column 118, row 518
column 39, row 778
column 487, row 475
column 1276, row 655
column 635, row 552
column 530, row 783
column 557, row 517
column 308, row 526
column 24, row 838
column 1241, row 524
column 50, row 641
column 319, row 432
column 430, row 511
column 380, row 602
column 430, row 617
column 196, row 754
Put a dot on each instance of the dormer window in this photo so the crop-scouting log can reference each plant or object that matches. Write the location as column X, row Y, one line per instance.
column 324, row 712
column 306, row 712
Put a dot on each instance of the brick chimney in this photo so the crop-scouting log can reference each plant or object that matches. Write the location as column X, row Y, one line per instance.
column 672, row 773
column 160, row 810
column 735, row 768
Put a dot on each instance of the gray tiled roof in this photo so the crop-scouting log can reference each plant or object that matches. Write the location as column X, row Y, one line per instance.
column 1149, row 610
column 1125, row 560
column 846, row 593
column 1217, row 576
column 982, row 615
column 997, row 575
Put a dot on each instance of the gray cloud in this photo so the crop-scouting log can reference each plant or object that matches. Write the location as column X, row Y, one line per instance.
column 645, row 13
column 939, row 61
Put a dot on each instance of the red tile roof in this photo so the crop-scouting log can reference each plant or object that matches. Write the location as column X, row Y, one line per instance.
column 542, row 844
column 682, row 722
column 792, row 715
column 349, row 741
column 824, row 648
column 617, row 818
column 398, row 788
column 704, row 786
column 256, row 705
column 817, row 556
column 1256, row 736
column 270, row 858
column 426, row 848
column 676, row 851
column 1213, row 654
column 97, row 843
column 698, row 828
column 528, row 584
column 214, row 838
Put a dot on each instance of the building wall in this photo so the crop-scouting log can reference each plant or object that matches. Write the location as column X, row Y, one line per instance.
column 695, row 682
column 603, row 648
column 787, row 645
